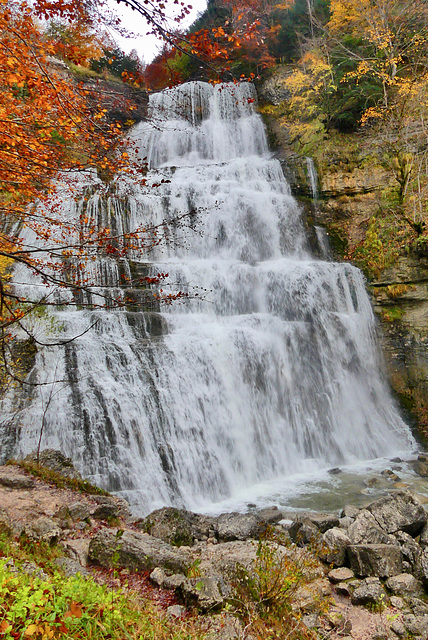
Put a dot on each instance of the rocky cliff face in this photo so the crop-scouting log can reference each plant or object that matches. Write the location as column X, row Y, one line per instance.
column 351, row 183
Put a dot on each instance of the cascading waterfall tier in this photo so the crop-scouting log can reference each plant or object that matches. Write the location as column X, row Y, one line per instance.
column 273, row 371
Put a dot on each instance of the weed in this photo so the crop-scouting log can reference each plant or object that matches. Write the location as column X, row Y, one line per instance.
column 58, row 480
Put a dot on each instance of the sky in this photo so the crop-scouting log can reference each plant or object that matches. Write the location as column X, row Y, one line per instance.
column 148, row 46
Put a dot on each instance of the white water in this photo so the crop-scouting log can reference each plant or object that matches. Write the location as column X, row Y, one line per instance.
column 273, row 374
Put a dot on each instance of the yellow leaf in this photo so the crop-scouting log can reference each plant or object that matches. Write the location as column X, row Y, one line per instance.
column 31, row 630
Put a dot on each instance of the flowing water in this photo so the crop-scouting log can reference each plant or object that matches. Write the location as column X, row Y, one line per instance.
column 269, row 375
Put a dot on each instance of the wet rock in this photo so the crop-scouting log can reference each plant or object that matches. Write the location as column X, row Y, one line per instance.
column 204, row 591
column 239, row 526
column 55, row 461
column 369, row 591
column 400, row 511
column 403, row 584
column 380, row 560
column 341, row 574
column 178, row 526
column 43, row 528
column 421, row 468
column 334, row 546
column 335, row 471
column 136, row 551
column 365, row 529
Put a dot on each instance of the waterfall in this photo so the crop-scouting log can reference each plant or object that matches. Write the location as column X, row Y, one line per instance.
column 272, row 371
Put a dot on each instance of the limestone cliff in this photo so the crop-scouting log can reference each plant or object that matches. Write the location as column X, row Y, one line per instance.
column 352, row 182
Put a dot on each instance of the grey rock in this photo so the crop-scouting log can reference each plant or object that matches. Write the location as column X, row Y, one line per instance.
column 400, row 511
column 136, row 551
column 339, row 621
column 403, row 584
column 398, row 603
column 410, row 549
column 365, row 529
column 226, row 627
column 175, row 611
column 43, row 528
column 307, row 598
column 158, row 576
column 375, row 560
column 16, row 481
column 5, row 522
column 416, row 625
column 423, row 566
column 323, row 522
column 420, row 467
column 304, row 532
column 71, row 567
column 341, row 574
column 343, row 588
column 423, row 539
column 418, row 606
column 79, row 511
column 109, row 507
column 369, row 591
column 335, row 544
column 77, row 549
column 335, row 471
column 56, row 461
column 398, row 628
column 349, row 511
column 204, row 591
column 176, row 581
column 178, row 526
column 270, row 515
column 311, row 620
column 345, row 522
column 32, row 569
column 239, row 526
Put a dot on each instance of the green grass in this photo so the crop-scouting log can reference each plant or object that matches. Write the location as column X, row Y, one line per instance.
column 58, row 480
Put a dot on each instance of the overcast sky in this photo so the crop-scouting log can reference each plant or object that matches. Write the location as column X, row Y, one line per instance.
column 148, row 46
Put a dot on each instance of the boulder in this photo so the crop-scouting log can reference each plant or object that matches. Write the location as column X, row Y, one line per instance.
column 369, row 591
column 79, row 511
column 341, row 574
column 14, row 479
column 416, row 625
column 308, row 597
column 420, row 467
column 366, row 530
column 178, row 526
column 77, row 549
column 423, row 566
column 403, row 584
column 43, row 528
column 400, row 511
column 239, row 526
column 109, row 507
column 418, row 606
column 136, row 551
column 175, row 611
column 55, row 461
column 423, row 538
column 380, row 560
column 334, row 546
column 349, row 511
column 204, row 592
column 410, row 549
column 323, row 522
column 269, row 515
column 304, row 532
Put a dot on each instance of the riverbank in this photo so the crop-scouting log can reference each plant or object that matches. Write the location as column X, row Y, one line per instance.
column 361, row 573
